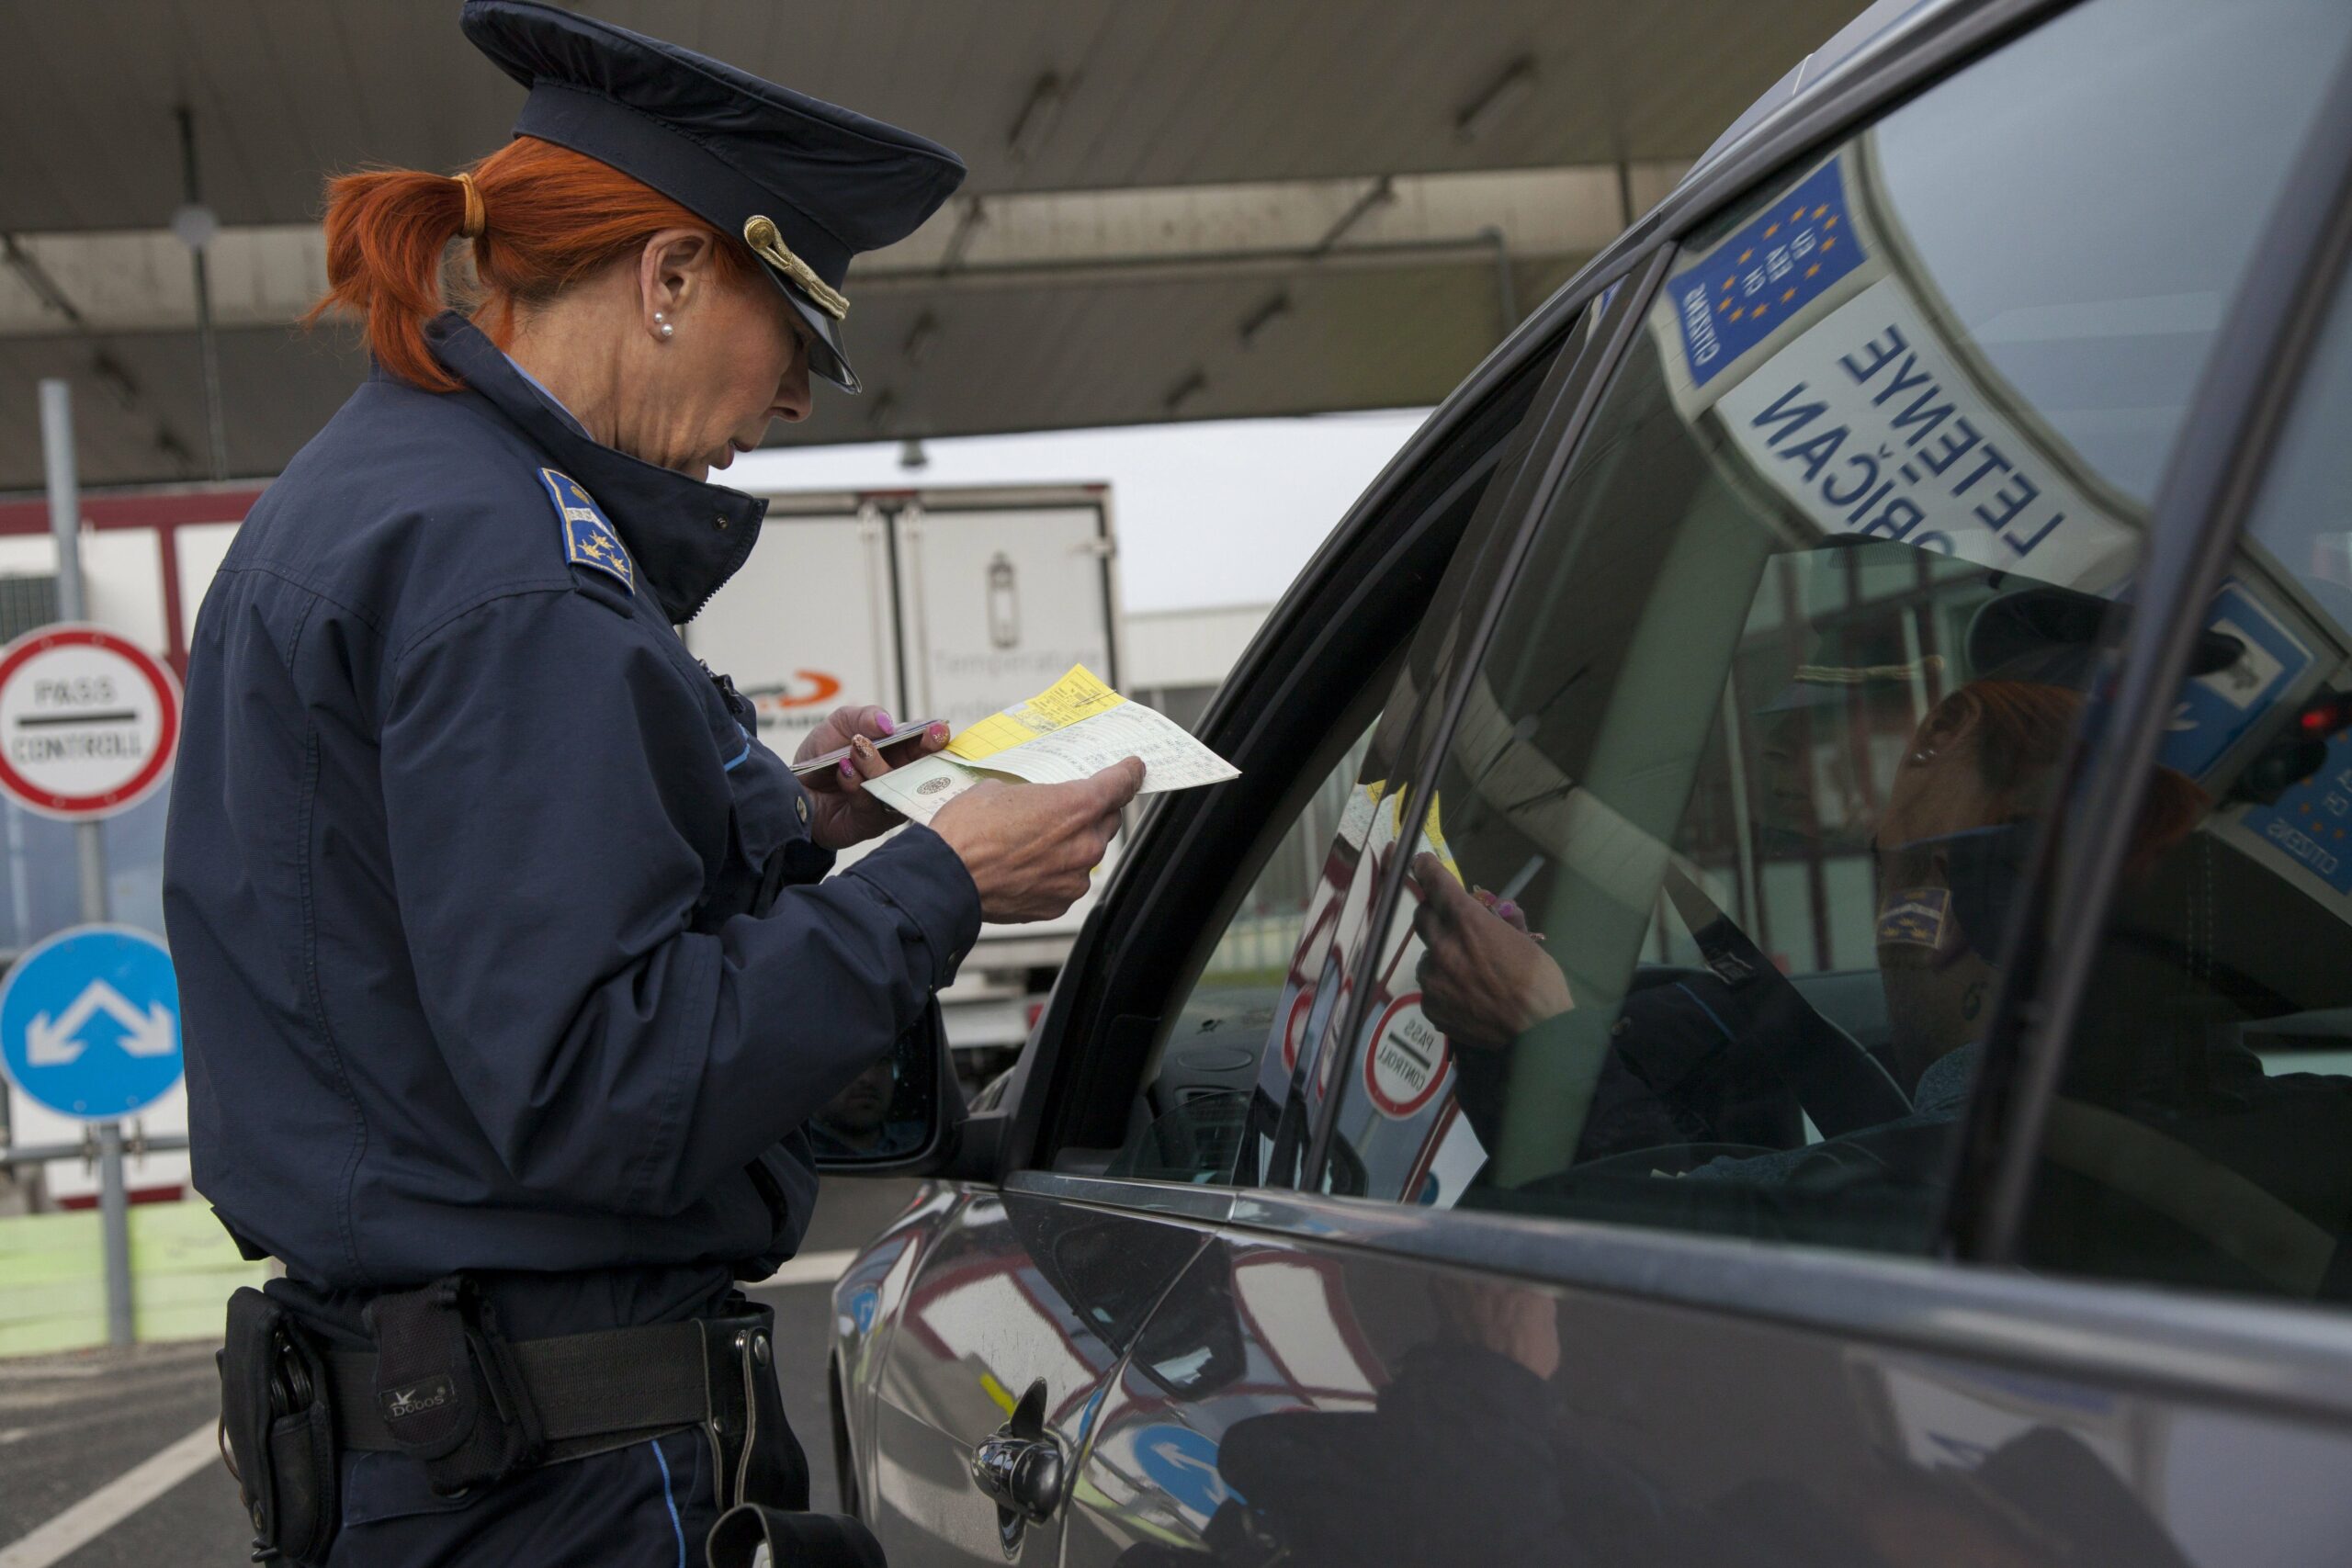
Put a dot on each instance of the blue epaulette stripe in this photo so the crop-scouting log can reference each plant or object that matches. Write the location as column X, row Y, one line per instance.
column 741, row 757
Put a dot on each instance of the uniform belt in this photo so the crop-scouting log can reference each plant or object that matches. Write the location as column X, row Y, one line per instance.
column 592, row 1390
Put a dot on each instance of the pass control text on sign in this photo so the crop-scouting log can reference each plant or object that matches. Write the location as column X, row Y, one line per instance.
column 87, row 721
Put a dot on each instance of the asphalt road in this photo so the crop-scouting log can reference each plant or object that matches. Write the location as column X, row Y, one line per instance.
column 70, row 1426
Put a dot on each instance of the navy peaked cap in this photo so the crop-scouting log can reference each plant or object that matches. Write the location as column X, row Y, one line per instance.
column 805, row 183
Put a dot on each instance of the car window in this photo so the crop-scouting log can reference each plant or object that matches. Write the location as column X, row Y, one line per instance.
column 2199, row 1135
column 1198, row 1100
column 1225, row 1072
column 1706, row 910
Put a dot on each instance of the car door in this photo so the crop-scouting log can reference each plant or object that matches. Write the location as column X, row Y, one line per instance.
column 1010, row 1322
column 1635, row 1232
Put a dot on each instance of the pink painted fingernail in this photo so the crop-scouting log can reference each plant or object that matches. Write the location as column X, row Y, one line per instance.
column 848, row 771
column 883, row 722
column 1507, row 908
column 939, row 732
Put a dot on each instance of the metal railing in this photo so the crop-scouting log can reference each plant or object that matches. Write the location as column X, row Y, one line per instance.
column 87, row 1148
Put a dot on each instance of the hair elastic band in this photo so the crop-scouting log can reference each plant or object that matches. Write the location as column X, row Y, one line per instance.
column 477, row 218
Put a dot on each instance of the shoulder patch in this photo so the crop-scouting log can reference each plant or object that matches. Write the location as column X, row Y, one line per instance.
column 588, row 538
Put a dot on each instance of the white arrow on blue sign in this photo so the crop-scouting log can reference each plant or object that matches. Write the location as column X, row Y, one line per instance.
column 90, row 1022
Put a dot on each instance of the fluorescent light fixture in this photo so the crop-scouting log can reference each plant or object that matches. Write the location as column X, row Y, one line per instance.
column 1504, row 94
column 1185, row 391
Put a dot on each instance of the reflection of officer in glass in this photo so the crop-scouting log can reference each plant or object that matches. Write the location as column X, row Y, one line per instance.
column 511, row 965
column 858, row 1121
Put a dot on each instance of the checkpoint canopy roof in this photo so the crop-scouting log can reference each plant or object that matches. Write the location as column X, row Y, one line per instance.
column 1177, row 208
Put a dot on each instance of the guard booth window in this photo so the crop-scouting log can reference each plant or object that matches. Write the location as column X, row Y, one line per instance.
column 1704, row 918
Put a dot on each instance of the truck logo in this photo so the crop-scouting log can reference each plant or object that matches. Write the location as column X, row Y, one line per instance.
column 806, row 688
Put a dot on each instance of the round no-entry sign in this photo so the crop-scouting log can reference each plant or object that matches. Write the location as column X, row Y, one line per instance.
column 87, row 721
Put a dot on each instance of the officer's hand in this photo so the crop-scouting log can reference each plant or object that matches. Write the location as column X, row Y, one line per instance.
column 1032, row 849
column 845, row 813
column 1484, row 978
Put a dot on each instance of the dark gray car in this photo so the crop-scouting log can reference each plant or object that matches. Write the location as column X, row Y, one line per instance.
column 1776, row 987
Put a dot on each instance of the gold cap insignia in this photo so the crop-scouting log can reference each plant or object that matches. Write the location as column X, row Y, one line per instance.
column 760, row 233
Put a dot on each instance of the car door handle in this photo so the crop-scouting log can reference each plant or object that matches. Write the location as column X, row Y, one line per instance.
column 1019, row 1466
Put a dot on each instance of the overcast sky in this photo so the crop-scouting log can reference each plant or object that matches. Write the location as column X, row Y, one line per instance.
column 1217, row 513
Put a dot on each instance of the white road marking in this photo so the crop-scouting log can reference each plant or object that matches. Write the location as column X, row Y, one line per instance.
column 808, row 1269
column 114, row 1502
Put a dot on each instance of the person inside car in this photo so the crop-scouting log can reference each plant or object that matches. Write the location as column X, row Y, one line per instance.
column 1949, row 851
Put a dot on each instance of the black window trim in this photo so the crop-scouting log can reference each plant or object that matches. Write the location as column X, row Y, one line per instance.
column 2212, row 481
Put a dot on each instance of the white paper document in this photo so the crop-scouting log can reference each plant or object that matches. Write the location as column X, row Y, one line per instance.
column 1070, row 732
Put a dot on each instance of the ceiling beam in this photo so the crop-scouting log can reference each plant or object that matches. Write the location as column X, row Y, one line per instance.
column 139, row 281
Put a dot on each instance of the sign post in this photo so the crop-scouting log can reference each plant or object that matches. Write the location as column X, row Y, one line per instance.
column 88, row 723
column 89, row 1027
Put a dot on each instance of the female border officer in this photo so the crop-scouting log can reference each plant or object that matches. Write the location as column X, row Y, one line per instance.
column 509, row 976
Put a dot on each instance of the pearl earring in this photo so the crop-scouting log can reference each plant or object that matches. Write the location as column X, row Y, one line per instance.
column 666, row 327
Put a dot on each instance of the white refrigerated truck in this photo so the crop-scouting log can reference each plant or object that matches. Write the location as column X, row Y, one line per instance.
column 943, row 605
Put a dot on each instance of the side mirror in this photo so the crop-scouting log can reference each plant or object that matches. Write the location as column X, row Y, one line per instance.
column 901, row 1116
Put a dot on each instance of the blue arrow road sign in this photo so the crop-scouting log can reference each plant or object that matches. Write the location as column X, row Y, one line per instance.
column 1182, row 1464
column 90, row 1022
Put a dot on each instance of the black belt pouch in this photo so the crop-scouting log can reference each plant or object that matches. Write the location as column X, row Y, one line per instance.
column 448, row 1387
column 280, row 1430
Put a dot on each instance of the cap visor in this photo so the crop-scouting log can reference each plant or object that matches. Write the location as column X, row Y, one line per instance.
column 826, row 359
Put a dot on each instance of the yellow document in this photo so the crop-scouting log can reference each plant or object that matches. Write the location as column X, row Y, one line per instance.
column 1076, row 728
column 1077, row 696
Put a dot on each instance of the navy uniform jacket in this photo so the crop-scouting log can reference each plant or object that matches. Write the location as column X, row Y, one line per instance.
column 500, row 936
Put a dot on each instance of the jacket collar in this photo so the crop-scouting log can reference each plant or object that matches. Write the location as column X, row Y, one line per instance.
column 686, row 537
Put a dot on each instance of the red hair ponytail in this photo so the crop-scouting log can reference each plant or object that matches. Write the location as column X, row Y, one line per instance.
column 551, row 218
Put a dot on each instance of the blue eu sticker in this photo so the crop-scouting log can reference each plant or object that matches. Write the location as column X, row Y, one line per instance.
column 90, row 1022
column 1182, row 1464
column 1785, row 258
